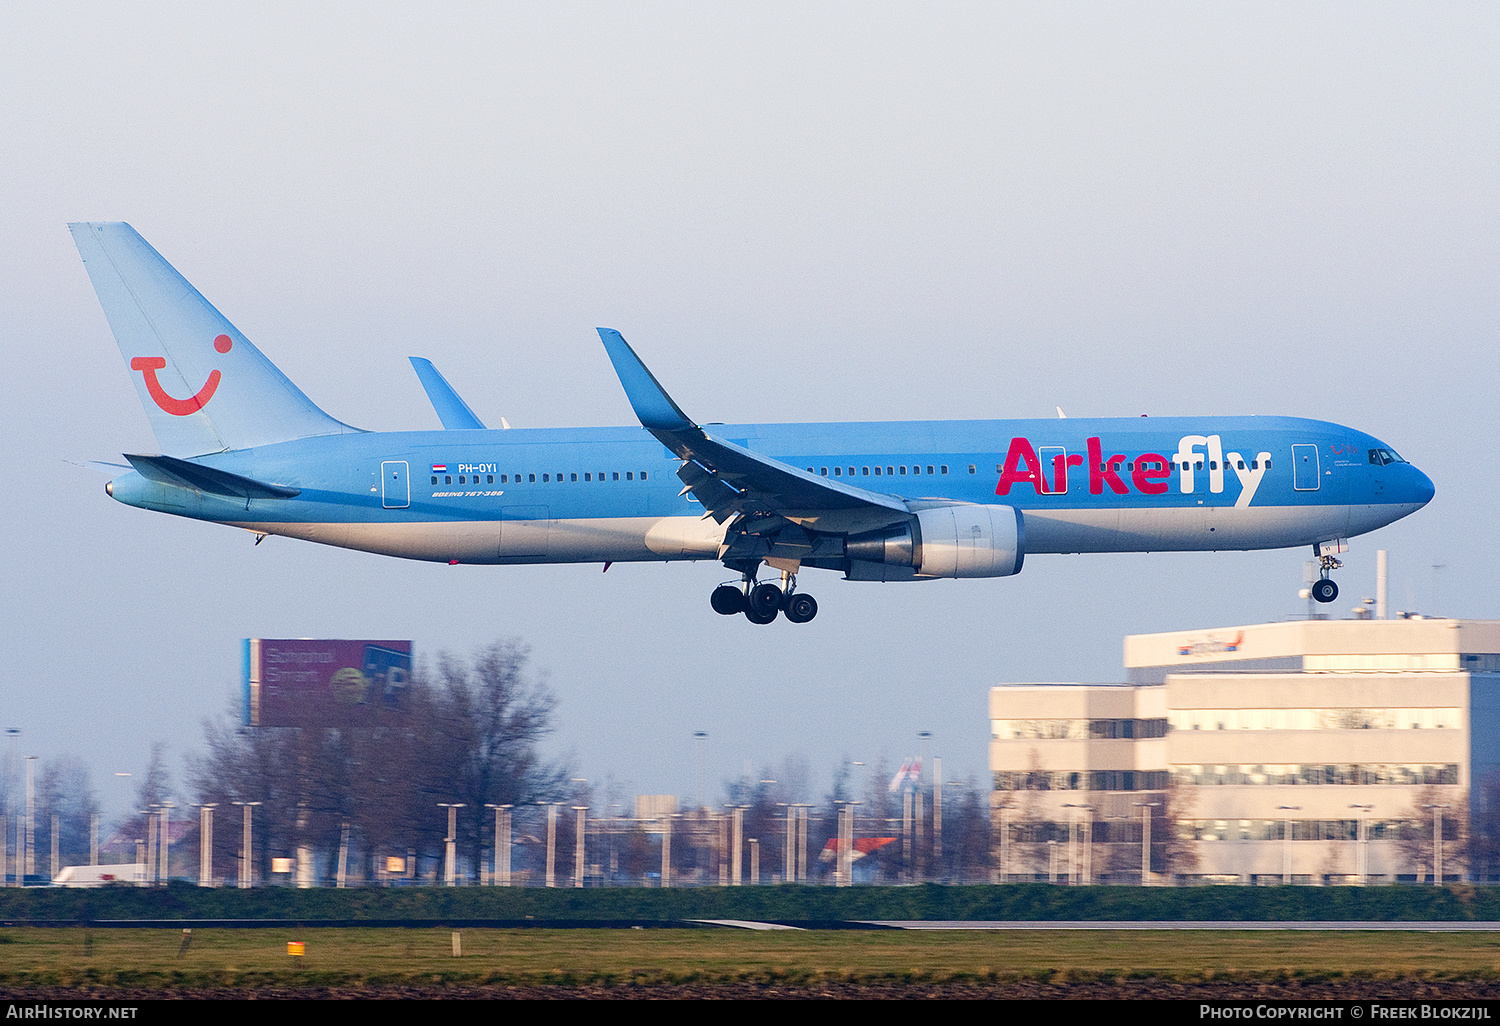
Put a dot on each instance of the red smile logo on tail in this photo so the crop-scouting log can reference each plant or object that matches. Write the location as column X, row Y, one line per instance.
column 149, row 365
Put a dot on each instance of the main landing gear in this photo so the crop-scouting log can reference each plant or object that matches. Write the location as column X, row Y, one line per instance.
column 762, row 602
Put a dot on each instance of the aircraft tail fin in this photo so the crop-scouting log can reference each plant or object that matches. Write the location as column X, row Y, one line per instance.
column 204, row 386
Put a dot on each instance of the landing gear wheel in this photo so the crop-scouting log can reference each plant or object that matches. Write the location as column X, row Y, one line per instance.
column 764, row 600
column 801, row 608
column 727, row 600
column 1325, row 590
column 754, row 617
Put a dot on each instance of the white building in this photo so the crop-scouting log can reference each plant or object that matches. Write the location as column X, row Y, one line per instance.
column 1338, row 730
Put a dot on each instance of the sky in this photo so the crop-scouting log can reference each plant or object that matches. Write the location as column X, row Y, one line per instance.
column 794, row 212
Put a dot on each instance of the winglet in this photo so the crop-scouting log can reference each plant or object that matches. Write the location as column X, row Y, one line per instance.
column 451, row 409
column 656, row 410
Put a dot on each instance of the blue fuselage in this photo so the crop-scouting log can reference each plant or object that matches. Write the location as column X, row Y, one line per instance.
column 598, row 494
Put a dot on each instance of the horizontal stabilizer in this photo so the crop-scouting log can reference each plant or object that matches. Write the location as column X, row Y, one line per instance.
column 169, row 470
column 451, row 410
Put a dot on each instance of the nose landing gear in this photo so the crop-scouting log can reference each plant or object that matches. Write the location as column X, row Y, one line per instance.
column 1324, row 589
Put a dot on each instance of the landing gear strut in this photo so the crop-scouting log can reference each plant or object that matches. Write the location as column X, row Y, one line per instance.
column 762, row 602
column 1324, row 589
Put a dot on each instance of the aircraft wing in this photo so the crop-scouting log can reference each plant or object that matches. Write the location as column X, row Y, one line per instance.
column 451, row 410
column 729, row 479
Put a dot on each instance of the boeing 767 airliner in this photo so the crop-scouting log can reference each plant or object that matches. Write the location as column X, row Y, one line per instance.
column 894, row 501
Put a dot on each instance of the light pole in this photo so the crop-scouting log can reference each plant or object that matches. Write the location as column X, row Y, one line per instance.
column 1437, row 837
column 450, row 844
column 500, row 876
column 737, row 845
column 666, row 849
column 1362, row 844
column 1079, row 867
column 246, row 866
column 163, row 824
column 551, row 843
column 699, row 738
column 1146, row 808
column 206, row 844
column 1286, row 842
column 578, row 846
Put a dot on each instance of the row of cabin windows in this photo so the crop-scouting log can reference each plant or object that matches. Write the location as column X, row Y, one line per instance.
column 531, row 478
column 1157, row 465
column 889, row 471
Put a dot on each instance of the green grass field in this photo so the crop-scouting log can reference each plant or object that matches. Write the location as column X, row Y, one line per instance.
column 35, row 960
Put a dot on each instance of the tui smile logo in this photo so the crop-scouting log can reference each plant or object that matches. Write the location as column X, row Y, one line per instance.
column 149, row 365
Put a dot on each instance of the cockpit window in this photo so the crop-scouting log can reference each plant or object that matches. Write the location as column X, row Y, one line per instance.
column 1382, row 457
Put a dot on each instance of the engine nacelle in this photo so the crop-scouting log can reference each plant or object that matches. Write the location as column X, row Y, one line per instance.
column 946, row 541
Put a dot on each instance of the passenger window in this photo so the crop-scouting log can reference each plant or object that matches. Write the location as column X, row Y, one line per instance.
column 1255, row 464
column 890, row 471
column 572, row 477
column 838, row 471
column 916, row 470
column 434, row 479
column 971, row 468
column 877, row 471
column 1240, row 464
column 945, row 468
column 460, row 479
column 504, row 478
column 616, row 475
column 825, row 471
column 929, row 470
column 903, row 471
column 447, row 479
column 643, row 475
column 531, row 478
column 865, row 471
column 587, row 476
column 629, row 476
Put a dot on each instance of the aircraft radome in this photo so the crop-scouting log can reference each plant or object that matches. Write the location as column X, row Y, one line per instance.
column 880, row 501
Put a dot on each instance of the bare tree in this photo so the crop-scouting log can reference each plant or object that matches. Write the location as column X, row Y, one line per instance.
column 1444, row 802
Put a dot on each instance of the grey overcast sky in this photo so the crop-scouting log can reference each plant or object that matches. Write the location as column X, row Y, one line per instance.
column 794, row 211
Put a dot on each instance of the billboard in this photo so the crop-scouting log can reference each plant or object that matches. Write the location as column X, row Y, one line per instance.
column 302, row 682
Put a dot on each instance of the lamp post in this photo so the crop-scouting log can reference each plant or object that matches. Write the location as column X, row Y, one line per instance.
column 1437, row 840
column 500, row 875
column 246, row 866
column 1286, row 842
column 450, row 844
column 551, row 843
column 578, row 846
column 1146, row 808
column 206, row 844
column 1362, row 844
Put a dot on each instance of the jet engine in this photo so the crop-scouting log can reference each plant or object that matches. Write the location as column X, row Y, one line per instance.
column 946, row 541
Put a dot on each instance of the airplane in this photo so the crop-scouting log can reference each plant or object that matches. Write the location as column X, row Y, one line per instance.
column 893, row 501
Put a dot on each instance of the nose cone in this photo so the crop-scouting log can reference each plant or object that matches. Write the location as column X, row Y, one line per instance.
column 1421, row 487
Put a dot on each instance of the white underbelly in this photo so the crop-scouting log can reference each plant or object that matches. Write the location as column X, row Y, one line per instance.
column 612, row 539
column 1200, row 528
